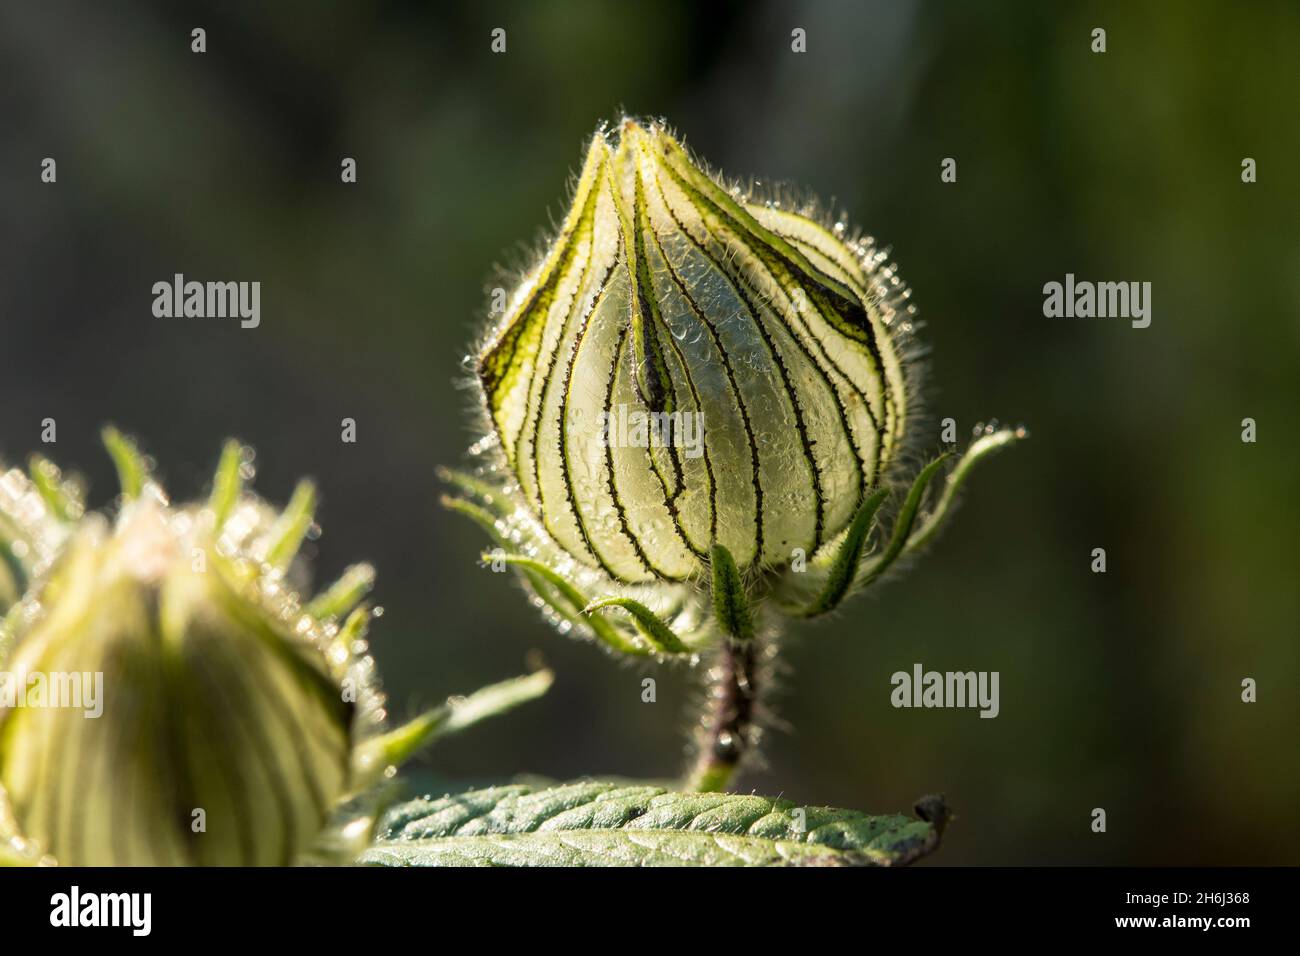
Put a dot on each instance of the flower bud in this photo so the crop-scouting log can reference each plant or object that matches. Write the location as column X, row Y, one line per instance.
column 689, row 367
column 699, row 402
column 169, row 699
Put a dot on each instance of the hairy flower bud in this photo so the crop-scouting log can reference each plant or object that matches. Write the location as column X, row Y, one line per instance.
column 689, row 367
column 168, row 699
column 698, row 386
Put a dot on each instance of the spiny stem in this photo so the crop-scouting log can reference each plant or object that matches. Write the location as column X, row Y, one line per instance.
column 728, row 725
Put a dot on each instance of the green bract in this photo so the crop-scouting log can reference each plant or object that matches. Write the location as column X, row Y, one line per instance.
column 697, row 386
column 168, row 696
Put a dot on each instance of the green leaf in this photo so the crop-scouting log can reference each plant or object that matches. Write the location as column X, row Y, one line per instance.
column 617, row 824
column 730, row 604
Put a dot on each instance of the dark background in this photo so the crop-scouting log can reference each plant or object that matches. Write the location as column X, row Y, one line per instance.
column 1119, row 690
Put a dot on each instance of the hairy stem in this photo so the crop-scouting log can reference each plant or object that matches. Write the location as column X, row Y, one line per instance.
column 728, row 724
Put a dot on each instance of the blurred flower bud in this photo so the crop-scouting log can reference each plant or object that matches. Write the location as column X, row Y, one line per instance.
column 37, row 511
column 168, row 699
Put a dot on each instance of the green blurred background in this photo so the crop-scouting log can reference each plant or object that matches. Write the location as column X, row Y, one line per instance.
column 1119, row 690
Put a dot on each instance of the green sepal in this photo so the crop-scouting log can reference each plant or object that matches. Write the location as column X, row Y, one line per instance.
column 45, row 477
column 476, row 513
column 604, row 631
column 847, row 557
column 554, row 591
column 730, row 603
column 397, row 746
column 488, row 495
column 648, row 624
column 227, row 484
column 902, row 524
column 286, row 535
column 132, row 468
column 980, row 449
column 344, row 594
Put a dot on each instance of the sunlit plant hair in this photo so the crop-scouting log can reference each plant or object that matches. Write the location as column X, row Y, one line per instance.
column 670, row 292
